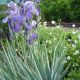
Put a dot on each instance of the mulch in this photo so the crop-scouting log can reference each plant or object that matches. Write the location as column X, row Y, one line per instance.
column 64, row 24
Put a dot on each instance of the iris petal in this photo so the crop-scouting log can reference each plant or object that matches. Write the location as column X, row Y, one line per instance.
column 29, row 27
column 5, row 20
column 28, row 15
column 16, row 28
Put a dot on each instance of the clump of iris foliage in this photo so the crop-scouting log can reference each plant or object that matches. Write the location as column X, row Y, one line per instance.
column 23, row 58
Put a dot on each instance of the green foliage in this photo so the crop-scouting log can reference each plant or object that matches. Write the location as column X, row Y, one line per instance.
column 71, row 38
column 32, row 64
column 66, row 10
column 73, row 75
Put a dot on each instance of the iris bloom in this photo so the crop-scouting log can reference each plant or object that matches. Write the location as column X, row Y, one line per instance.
column 32, row 37
column 22, row 16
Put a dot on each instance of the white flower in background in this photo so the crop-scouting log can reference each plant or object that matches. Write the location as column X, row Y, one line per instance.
column 34, row 23
column 57, row 26
column 52, row 28
column 68, row 58
column 50, row 51
column 53, row 22
column 46, row 27
column 69, row 39
column 49, row 41
column 65, row 61
column 18, row 44
column 36, row 43
column 55, row 39
column 64, row 47
column 50, row 33
column 45, row 23
column 16, row 49
column 73, row 25
column 74, row 32
column 73, row 45
column 75, row 41
column 76, row 52
column 40, row 25
column 79, row 37
column 23, row 31
column 46, row 41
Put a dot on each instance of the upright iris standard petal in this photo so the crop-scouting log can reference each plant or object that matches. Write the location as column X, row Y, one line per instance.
column 12, row 5
column 5, row 20
column 29, row 5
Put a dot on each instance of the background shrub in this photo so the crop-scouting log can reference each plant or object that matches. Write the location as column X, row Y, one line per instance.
column 66, row 10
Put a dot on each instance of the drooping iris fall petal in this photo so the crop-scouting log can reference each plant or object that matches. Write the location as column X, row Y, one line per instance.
column 16, row 27
column 5, row 20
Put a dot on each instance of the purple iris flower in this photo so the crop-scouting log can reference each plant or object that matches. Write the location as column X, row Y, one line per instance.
column 28, row 5
column 22, row 16
column 14, row 19
column 28, row 27
column 12, row 5
column 30, row 9
column 32, row 38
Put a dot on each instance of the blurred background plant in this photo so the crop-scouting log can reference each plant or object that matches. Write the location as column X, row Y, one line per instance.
column 66, row 10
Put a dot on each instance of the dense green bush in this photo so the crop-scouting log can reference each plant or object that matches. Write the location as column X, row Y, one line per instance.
column 66, row 10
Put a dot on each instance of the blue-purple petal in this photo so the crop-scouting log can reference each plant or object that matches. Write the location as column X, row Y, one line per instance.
column 16, row 28
column 29, row 27
column 5, row 20
column 28, row 15
column 34, row 36
column 18, row 19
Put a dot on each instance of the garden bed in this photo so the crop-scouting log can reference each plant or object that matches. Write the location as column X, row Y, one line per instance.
column 65, row 24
